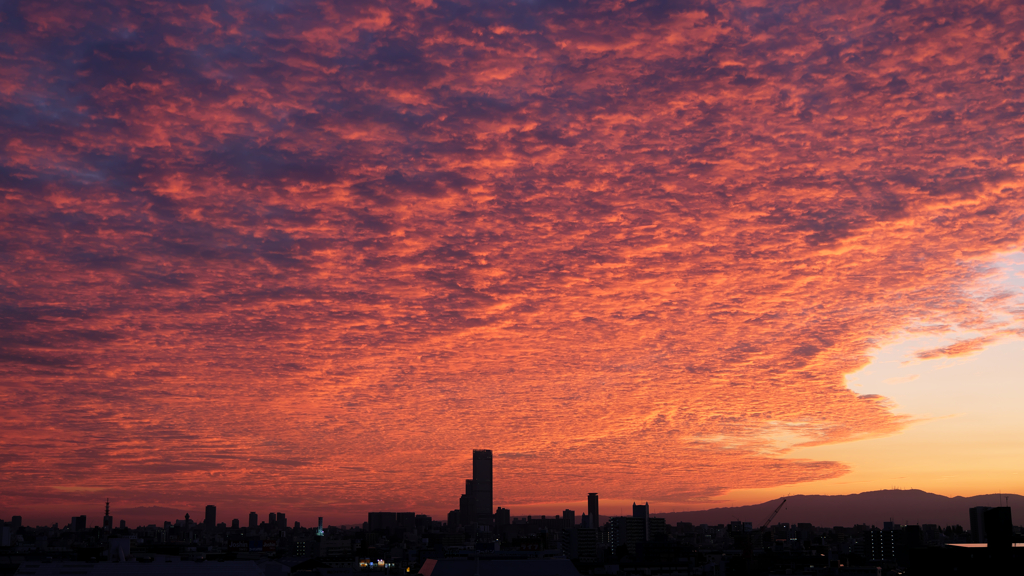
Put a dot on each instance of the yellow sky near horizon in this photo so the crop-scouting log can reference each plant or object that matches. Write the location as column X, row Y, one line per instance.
column 966, row 438
column 967, row 410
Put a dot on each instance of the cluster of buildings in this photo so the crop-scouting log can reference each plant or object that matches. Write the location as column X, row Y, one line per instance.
column 476, row 520
column 478, row 539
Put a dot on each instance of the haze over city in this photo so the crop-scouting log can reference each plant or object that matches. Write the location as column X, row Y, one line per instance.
column 308, row 256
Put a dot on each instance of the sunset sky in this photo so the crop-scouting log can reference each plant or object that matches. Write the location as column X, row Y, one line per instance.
column 304, row 257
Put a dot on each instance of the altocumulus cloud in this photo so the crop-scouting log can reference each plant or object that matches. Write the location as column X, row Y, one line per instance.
column 318, row 251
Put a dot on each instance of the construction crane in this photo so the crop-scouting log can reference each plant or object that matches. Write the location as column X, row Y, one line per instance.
column 770, row 518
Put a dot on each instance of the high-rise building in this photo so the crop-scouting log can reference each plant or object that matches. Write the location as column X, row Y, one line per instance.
column 643, row 512
column 254, row 520
column 78, row 523
column 211, row 517
column 999, row 527
column 467, row 505
column 15, row 522
column 282, row 522
column 453, row 520
column 580, row 543
column 502, row 517
column 568, row 518
column 273, row 520
column 381, row 521
column 880, row 545
column 320, row 526
column 977, row 515
column 476, row 505
column 406, row 520
column 235, row 524
column 626, row 531
column 483, row 486
column 592, row 510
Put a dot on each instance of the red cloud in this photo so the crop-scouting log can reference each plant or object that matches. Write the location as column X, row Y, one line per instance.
column 257, row 255
column 960, row 348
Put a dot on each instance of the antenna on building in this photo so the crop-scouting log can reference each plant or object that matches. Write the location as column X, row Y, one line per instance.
column 107, row 511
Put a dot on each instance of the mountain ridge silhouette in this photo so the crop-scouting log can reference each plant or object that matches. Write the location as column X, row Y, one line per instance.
column 871, row 508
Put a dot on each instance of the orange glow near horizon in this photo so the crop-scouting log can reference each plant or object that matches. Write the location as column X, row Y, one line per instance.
column 307, row 257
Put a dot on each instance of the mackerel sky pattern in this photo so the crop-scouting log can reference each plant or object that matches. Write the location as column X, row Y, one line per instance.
column 308, row 255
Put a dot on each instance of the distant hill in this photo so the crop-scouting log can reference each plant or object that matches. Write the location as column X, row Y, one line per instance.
column 871, row 508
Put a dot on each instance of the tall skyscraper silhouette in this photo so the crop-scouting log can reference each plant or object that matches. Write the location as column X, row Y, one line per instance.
column 476, row 506
column 568, row 518
column 211, row 517
column 483, row 486
column 643, row 511
column 592, row 510
column 254, row 520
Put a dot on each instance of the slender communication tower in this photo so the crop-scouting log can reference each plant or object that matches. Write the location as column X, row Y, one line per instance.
column 108, row 522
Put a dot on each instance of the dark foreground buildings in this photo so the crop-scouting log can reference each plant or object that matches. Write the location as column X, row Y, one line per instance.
column 475, row 541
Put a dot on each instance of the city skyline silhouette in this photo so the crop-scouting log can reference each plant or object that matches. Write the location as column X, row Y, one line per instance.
column 305, row 257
